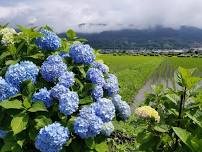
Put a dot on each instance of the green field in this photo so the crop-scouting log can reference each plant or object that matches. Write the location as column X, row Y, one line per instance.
column 134, row 71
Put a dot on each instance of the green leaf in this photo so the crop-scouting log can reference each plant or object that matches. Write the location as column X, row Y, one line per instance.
column 71, row 34
column 15, row 104
column 28, row 88
column 9, row 62
column 26, row 103
column 184, row 78
column 90, row 142
column 19, row 123
column 192, row 142
column 197, row 118
column 101, row 147
column 161, row 128
column 42, row 121
column 38, row 106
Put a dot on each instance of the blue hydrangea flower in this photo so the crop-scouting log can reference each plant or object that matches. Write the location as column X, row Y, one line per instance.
column 18, row 73
column 88, row 127
column 58, row 90
column 49, row 40
column 64, row 55
column 43, row 95
column 116, row 99
column 6, row 90
column 81, row 53
column 68, row 103
column 112, row 85
column 97, row 92
column 95, row 76
column 107, row 129
column 2, row 133
column 66, row 79
column 102, row 67
column 53, row 68
column 122, row 107
column 52, row 138
column 104, row 108
column 86, row 111
column 124, row 110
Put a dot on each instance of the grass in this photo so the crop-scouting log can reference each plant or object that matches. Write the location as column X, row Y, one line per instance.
column 132, row 72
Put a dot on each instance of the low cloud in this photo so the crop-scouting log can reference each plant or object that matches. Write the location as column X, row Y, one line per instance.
column 100, row 15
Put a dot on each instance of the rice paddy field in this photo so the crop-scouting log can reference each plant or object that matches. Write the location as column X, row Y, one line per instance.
column 134, row 71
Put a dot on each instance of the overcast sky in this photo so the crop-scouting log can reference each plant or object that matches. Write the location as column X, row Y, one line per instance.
column 116, row 14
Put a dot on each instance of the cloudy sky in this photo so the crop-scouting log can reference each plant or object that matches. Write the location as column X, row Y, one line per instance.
column 102, row 15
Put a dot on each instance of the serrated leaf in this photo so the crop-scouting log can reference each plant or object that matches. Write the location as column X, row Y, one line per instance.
column 38, row 106
column 19, row 123
column 15, row 104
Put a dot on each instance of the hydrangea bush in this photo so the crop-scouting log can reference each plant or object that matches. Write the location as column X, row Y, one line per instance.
column 54, row 94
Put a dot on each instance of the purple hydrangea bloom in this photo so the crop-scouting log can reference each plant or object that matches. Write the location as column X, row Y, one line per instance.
column 81, row 53
column 68, row 103
column 52, row 138
column 48, row 41
column 53, row 68
column 6, row 90
column 43, row 95
column 95, row 76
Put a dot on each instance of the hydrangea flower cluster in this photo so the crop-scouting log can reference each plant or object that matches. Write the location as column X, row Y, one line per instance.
column 66, row 79
column 53, row 68
column 7, row 36
column 97, row 92
column 52, row 138
column 102, row 67
column 6, row 90
column 104, row 108
column 122, row 107
column 64, row 55
column 91, row 118
column 112, row 85
column 81, row 53
column 95, row 76
column 58, row 90
column 68, row 103
column 2, row 133
column 146, row 112
column 18, row 73
column 87, row 124
column 107, row 129
column 48, row 41
column 43, row 95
